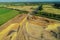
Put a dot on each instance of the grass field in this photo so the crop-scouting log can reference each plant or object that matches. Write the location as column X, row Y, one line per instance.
column 50, row 9
column 7, row 14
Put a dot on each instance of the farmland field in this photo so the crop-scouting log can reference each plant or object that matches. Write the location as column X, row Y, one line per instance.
column 7, row 14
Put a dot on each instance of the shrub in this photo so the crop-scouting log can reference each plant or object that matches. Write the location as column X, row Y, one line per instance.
column 40, row 8
column 56, row 5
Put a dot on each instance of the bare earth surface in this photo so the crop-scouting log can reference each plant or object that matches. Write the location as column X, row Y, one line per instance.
column 23, row 27
column 28, row 27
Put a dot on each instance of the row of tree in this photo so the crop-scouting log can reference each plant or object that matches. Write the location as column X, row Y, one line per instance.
column 49, row 15
column 45, row 14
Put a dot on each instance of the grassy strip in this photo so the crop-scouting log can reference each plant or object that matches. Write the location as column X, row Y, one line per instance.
column 7, row 16
column 4, row 10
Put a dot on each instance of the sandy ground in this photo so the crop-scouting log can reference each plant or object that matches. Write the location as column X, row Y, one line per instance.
column 26, row 28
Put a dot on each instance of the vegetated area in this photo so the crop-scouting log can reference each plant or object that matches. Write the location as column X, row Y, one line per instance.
column 7, row 14
column 20, row 3
column 10, row 10
column 51, row 11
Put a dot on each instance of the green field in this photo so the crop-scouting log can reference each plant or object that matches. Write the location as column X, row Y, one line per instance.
column 7, row 14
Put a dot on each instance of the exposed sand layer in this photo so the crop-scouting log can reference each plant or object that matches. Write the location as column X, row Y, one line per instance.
column 23, row 27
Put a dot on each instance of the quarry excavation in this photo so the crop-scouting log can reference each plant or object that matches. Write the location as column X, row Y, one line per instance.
column 28, row 28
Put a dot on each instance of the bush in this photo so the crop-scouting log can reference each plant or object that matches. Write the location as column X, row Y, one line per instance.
column 40, row 8
column 56, row 5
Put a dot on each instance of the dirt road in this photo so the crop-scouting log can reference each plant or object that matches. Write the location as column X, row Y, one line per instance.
column 11, row 30
column 17, row 19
